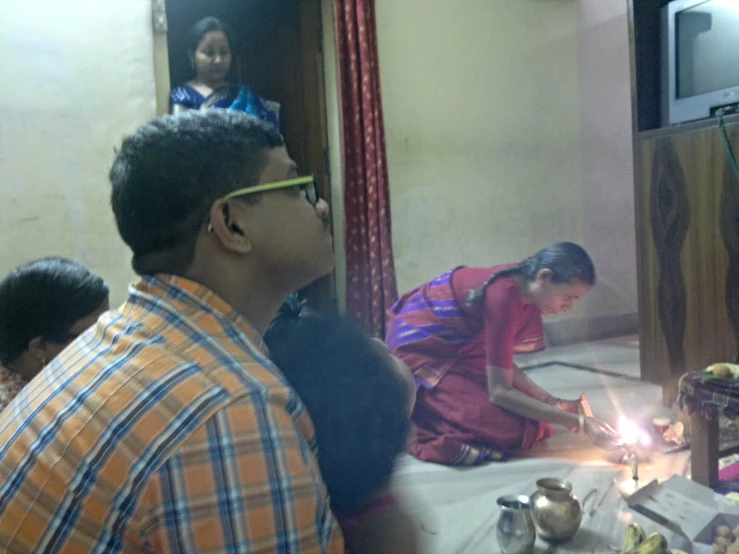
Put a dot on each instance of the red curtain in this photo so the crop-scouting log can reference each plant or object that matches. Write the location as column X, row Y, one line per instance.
column 370, row 270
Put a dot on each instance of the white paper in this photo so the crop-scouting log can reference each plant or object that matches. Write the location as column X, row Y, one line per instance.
column 687, row 508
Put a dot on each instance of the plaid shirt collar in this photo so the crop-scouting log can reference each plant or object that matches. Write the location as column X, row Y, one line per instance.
column 187, row 296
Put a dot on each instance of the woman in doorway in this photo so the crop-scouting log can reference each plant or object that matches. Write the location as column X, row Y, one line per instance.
column 458, row 334
column 210, row 57
column 44, row 305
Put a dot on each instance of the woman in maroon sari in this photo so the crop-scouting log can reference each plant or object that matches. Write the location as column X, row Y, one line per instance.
column 458, row 334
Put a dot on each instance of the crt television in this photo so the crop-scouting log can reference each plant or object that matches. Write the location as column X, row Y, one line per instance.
column 700, row 58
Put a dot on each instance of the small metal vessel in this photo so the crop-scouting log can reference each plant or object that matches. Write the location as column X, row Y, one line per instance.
column 515, row 531
column 557, row 513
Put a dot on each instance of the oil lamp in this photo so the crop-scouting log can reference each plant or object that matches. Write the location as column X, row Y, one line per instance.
column 632, row 447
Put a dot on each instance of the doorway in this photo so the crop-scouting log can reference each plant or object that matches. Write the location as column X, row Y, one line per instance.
column 278, row 53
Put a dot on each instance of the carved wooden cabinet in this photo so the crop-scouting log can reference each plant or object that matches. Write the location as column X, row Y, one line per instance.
column 687, row 213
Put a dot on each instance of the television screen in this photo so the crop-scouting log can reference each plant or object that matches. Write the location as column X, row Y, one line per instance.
column 707, row 37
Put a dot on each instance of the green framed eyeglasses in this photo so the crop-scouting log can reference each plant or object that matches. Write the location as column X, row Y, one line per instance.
column 307, row 184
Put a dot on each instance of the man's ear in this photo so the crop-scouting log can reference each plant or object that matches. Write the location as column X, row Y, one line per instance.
column 225, row 228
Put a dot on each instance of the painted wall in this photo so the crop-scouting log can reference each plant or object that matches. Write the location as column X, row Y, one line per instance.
column 76, row 77
column 481, row 104
column 608, row 226
column 509, row 127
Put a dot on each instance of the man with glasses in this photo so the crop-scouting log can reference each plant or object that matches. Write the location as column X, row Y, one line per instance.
column 168, row 429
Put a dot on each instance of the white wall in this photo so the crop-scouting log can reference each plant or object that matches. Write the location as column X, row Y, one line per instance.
column 608, row 226
column 481, row 102
column 75, row 76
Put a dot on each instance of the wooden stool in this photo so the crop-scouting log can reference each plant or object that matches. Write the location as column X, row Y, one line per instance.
column 706, row 402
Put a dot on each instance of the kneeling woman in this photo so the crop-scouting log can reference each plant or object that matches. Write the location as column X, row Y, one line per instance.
column 458, row 334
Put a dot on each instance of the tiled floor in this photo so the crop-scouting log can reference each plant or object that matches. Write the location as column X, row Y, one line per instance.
column 455, row 508
column 618, row 355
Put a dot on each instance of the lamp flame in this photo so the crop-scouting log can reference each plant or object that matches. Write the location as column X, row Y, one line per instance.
column 632, row 434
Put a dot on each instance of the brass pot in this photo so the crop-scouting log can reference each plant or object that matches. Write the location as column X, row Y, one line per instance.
column 556, row 511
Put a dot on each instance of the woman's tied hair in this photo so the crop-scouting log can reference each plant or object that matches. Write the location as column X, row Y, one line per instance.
column 567, row 261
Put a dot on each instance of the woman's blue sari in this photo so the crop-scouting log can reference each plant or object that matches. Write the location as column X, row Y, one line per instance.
column 232, row 97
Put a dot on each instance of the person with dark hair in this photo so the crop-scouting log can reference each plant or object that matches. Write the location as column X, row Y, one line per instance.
column 210, row 56
column 360, row 400
column 458, row 334
column 166, row 428
column 44, row 305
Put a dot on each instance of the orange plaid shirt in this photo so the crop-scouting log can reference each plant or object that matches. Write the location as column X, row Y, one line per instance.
column 164, row 428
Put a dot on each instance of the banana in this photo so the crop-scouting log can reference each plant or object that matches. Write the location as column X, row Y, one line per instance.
column 655, row 544
column 634, row 536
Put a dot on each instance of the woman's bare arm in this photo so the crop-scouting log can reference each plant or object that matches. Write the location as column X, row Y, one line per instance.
column 504, row 395
column 524, row 383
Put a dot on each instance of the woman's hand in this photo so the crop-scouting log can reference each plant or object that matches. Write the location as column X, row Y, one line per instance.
column 569, row 406
column 602, row 435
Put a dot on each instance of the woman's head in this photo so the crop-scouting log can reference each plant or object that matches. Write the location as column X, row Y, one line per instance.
column 557, row 276
column 210, row 50
column 44, row 305
column 554, row 278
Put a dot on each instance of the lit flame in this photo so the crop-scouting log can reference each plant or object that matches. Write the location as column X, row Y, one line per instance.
column 632, row 434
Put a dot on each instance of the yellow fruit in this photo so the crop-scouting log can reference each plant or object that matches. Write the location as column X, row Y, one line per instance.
column 723, row 531
column 655, row 544
column 634, row 536
column 722, row 371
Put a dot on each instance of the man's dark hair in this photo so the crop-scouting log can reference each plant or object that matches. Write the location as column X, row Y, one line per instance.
column 45, row 298
column 358, row 403
column 167, row 175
